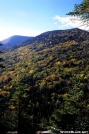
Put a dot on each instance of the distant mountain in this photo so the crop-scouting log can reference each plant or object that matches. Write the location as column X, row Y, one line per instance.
column 48, row 38
column 13, row 41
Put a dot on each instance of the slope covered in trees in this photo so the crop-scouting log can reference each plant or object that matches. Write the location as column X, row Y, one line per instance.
column 46, row 82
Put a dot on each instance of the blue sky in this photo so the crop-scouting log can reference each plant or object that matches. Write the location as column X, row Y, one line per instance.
column 33, row 17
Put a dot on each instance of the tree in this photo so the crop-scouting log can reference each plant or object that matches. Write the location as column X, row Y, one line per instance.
column 1, row 59
column 2, row 126
column 81, row 11
column 72, row 114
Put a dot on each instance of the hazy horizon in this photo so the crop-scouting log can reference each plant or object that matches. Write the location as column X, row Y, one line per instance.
column 31, row 18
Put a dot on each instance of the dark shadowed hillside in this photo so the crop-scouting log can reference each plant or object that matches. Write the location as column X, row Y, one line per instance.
column 46, row 81
column 57, row 36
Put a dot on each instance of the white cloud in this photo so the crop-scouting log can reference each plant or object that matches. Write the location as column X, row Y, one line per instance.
column 68, row 22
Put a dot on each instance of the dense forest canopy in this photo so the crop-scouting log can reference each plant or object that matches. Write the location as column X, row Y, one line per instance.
column 45, row 81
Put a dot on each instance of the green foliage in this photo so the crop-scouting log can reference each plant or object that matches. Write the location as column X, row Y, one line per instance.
column 1, row 59
column 72, row 114
column 45, row 82
column 81, row 10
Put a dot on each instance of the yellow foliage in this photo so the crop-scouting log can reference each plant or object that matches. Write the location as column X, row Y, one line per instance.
column 69, row 43
column 67, row 70
column 1, row 78
column 5, row 87
column 3, row 92
column 81, row 75
column 12, row 107
column 31, row 71
column 64, row 95
column 51, row 77
column 58, row 63
column 73, row 59
column 22, row 70
column 10, row 87
column 43, row 83
column 28, row 63
column 64, row 62
column 51, row 57
column 5, row 78
column 11, row 72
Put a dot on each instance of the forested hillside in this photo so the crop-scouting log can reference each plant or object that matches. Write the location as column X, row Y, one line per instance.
column 45, row 83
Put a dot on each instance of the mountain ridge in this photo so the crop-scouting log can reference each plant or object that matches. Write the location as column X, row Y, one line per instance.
column 58, row 36
column 17, row 41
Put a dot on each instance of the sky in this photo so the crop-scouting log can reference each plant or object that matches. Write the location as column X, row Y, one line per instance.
column 33, row 17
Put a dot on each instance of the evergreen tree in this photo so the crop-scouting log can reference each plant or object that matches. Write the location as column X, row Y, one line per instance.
column 1, row 59
column 2, row 104
column 82, row 11
column 72, row 114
